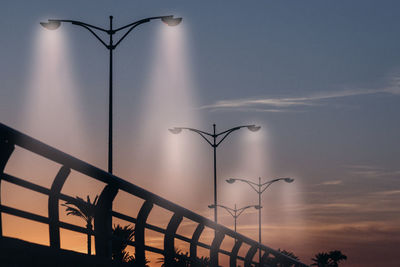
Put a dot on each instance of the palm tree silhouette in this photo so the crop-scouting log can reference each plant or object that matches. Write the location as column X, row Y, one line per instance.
column 85, row 210
column 288, row 253
column 279, row 261
column 122, row 236
column 321, row 259
column 285, row 262
column 183, row 260
column 336, row 256
column 330, row 259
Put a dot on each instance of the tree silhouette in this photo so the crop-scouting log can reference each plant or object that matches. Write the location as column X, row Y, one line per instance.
column 280, row 261
column 330, row 259
column 85, row 210
column 288, row 253
column 336, row 256
column 122, row 236
column 183, row 260
column 321, row 259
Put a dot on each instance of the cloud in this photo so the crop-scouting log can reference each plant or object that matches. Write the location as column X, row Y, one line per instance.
column 388, row 192
column 283, row 104
column 271, row 110
column 335, row 182
column 331, row 205
column 369, row 171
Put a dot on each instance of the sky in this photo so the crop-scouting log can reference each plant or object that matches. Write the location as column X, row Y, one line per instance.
column 322, row 79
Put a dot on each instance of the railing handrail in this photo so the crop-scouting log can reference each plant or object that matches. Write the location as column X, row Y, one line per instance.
column 15, row 137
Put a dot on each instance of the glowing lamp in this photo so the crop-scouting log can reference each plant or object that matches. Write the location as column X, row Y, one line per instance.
column 51, row 25
column 288, row 180
column 253, row 128
column 175, row 130
column 231, row 180
column 171, row 21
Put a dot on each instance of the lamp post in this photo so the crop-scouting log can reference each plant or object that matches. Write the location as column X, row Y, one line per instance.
column 260, row 188
column 214, row 144
column 53, row 24
column 235, row 212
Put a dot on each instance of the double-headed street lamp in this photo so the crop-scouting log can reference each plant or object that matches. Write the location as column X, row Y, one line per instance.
column 214, row 144
column 53, row 24
column 260, row 188
column 235, row 212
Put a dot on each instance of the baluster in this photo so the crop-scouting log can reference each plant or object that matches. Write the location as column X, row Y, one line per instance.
column 103, row 222
column 139, row 232
column 219, row 236
column 6, row 149
column 54, row 228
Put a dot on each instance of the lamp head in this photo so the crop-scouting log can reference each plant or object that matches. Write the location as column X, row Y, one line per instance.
column 211, row 206
column 171, row 21
column 51, row 24
column 175, row 130
column 231, row 180
column 253, row 128
column 288, row 180
column 258, row 207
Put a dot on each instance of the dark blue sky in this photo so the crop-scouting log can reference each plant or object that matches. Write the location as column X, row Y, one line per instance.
column 321, row 77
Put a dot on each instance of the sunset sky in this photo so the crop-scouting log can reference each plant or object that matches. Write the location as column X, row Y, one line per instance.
column 322, row 79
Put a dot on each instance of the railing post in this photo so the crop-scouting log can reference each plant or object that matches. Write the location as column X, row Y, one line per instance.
column 140, row 227
column 234, row 252
column 6, row 150
column 194, row 241
column 250, row 255
column 219, row 236
column 264, row 257
column 54, row 228
column 169, row 239
column 103, row 222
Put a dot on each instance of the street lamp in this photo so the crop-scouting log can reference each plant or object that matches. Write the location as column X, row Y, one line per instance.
column 235, row 212
column 54, row 24
column 214, row 144
column 260, row 188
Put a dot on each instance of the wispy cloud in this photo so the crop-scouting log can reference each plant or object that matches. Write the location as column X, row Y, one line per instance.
column 335, row 182
column 328, row 205
column 388, row 192
column 369, row 171
column 283, row 104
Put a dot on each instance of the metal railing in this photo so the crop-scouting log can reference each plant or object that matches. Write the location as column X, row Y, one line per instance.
column 9, row 138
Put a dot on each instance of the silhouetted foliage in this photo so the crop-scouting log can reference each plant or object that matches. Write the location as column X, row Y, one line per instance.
column 85, row 210
column 183, row 260
column 122, row 236
column 336, row 256
column 280, row 261
column 288, row 253
column 321, row 259
column 330, row 259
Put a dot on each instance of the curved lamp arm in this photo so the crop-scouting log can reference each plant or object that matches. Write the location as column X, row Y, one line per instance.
column 80, row 23
column 268, row 183
column 145, row 20
column 55, row 23
column 258, row 187
column 232, row 212
column 252, row 128
column 250, row 183
column 169, row 20
column 177, row 130
column 240, row 211
column 134, row 25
